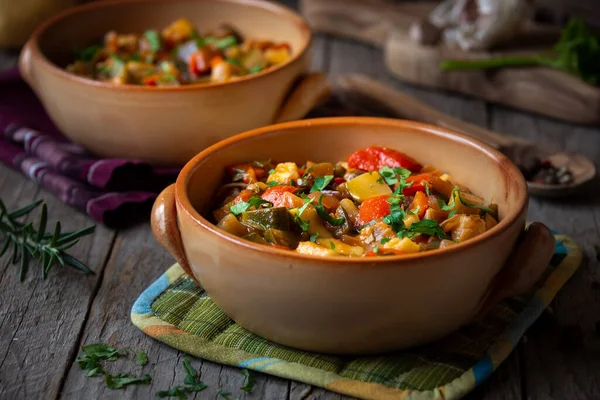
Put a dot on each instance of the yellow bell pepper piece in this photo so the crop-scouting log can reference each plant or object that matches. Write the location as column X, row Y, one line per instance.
column 367, row 185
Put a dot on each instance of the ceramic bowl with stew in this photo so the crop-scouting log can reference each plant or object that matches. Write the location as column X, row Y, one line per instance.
column 168, row 125
column 359, row 305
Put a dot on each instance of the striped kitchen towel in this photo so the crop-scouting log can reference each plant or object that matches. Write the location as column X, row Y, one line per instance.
column 180, row 313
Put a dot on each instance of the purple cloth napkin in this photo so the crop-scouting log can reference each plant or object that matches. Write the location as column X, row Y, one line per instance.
column 114, row 192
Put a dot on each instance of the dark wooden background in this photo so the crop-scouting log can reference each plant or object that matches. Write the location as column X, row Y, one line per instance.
column 44, row 323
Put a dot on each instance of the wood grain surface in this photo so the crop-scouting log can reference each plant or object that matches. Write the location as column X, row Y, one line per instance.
column 44, row 323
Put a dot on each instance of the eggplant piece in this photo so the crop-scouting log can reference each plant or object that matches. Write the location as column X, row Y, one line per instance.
column 256, row 238
column 265, row 218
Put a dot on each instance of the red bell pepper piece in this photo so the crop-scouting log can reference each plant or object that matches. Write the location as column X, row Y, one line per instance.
column 373, row 208
column 419, row 183
column 374, row 158
column 276, row 195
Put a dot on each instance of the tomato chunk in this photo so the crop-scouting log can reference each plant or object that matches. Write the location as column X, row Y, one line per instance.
column 373, row 208
column 421, row 201
column 244, row 195
column 276, row 195
column 374, row 158
column 419, row 182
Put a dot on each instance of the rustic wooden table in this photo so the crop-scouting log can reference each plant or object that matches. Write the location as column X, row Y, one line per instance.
column 44, row 323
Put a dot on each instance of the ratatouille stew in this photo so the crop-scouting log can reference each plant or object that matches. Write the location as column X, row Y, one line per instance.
column 177, row 55
column 378, row 202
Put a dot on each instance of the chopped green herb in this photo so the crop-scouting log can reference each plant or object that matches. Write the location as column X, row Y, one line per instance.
column 119, row 381
column 448, row 207
column 249, row 385
column 325, row 215
column 376, row 250
column 271, row 171
column 313, row 238
column 391, row 175
column 243, row 206
column 255, row 69
column 427, row 189
column 193, row 384
column 332, row 245
column 370, row 223
column 307, row 171
column 451, row 213
column 142, row 358
column 226, row 42
column 321, row 183
column 153, row 38
column 415, row 211
column 385, row 240
column 273, row 183
column 297, row 217
column 396, row 219
column 226, row 395
column 88, row 54
column 426, row 227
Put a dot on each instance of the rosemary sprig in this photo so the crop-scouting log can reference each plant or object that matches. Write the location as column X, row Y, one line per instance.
column 28, row 242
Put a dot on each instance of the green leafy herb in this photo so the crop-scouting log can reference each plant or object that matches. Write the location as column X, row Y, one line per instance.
column 271, row 171
column 415, row 211
column 321, row 183
column 313, row 238
column 325, row 215
column 448, row 207
column 451, row 213
column 427, row 189
column 29, row 242
column 142, row 358
column 249, row 385
column 121, row 380
column 226, row 395
column 577, row 53
column 332, row 245
column 88, row 54
column 385, row 240
column 426, row 227
column 273, row 183
column 192, row 381
column 255, row 69
column 396, row 219
column 243, row 206
column 391, row 175
column 226, row 42
column 298, row 217
column 153, row 38
column 376, row 250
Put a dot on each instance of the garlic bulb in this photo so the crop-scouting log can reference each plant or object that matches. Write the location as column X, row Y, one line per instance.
column 479, row 24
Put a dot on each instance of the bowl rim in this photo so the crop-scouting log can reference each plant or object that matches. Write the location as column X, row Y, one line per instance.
column 182, row 198
column 280, row 9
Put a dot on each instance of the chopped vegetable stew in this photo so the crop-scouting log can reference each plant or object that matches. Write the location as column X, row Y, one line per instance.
column 177, row 55
column 379, row 202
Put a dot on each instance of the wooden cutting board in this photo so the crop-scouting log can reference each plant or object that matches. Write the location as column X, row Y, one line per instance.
column 385, row 24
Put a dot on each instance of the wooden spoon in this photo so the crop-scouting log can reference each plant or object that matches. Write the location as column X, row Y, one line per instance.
column 370, row 93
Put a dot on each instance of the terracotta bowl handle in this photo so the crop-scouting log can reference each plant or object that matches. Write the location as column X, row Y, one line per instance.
column 311, row 90
column 523, row 268
column 165, row 229
column 26, row 64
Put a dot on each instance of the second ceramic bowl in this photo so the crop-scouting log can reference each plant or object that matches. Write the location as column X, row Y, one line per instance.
column 167, row 125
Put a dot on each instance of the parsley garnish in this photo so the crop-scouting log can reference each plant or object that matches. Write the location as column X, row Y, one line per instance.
column 271, row 171
column 385, row 240
column 226, row 42
column 193, row 384
column 426, row 227
column 243, row 206
column 90, row 360
column 396, row 219
column 321, row 183
column 297, row 218
column 249, row 381
column 448, row 207
column 391, row 174
column 88, row 54
column 142, row 358
column 119, row 381
column 255, row 69
column 226, row 395
column 376, row 250
column 325, row 215
column 273, row 183
column 427, row 189
column 153, row 39
column 313, row 238
column 415, row 211
column 332, row 245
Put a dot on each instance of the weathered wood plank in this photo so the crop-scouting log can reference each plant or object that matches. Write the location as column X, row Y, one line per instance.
column 40, row 321
column 561, row 355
